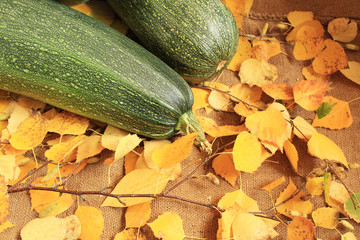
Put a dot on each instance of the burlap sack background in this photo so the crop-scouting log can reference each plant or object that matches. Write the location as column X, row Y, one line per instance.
column 199, row 221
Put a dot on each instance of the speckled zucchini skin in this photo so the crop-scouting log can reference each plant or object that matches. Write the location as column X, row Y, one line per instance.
column 197, row 38
column 62, row 57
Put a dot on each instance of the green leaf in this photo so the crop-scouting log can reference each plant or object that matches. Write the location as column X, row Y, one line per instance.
column 352, row 206
column 324, row 109
column 326, row 185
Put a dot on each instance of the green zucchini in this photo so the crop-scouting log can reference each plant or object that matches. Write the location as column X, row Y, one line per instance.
column 197, row 38
column 60, row 56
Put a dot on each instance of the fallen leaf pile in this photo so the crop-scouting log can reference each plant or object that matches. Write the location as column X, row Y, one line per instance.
column 36, row 136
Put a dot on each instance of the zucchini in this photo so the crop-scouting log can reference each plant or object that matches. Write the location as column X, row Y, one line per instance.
column 197, row 38
column 62, row 57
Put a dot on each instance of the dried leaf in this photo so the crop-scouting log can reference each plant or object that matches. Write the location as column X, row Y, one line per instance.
column 300, row 228
column 337, row 195
column 257, row 72
column 224, row 166
column 315, row 186
column 130, row 234
column 130, row 160
column 149, row 148
column 139, row 181
column 243, row 92
column 309, row 94
column 302, row 129
column 9, row 168
column 322, row 147
column 269, row 187
column 335, row 114
column 343, row 29
column 352, row 207
column 171, row 154
column 210, row 127
column 137, row 216
column 52, row 228
column 243, row 52
column 239, row 9
column 352, row 72
column 64, row 202
column 126, row 144
column 277, row 91
column 111, row 137
column 245, row 110
column 292, row 154
column 219, row 99
column 24, row 169
column 90, row 147
column 331, row 59
column 298, row 17
column 92, row 222
column 348, row 236
column 68, row 123
column 248, row 152
column 201, row 97
column 6, row 225
column 4, row 200
column 326, row 217
column 266, row 48
column 18, row 115
column 168, row 226
column 309, row 73
column 238, row 197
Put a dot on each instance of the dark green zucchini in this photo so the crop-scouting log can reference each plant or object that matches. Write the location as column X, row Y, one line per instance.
column 197, row 38
column 60, row 56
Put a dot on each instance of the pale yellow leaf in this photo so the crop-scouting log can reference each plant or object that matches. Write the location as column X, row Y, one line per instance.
column 18, row 115
column 257, row 72
column 9, row 168
column 242, row 91
column 111, row 137
column 326, row 217
column 126, row 144
column 90, row 147
column 343, row 29
column 302, row 129
column 238, row 197
column 352, row 72
column 309, row 74
column 168, row 226
column 4, row 200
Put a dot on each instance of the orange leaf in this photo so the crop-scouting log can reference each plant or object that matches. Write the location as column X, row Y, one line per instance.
column 136, row 216
column 217, row 99
column 210, row 127
column 239, row 9
column 309, row 74
column 9, row 168
column 266, row 48
column 42, row 199
column 302, row 129
column 73, row 169
column 257, row 72
column 322, row 147
column 168, row 226
column 300, row 228
column 224, row 166
column 243, row 52
column 130, row 234
column 64, row 202
column 339, row 116
column 242, row 91
column 269, row 126
column 269, row 187
column 309, row 94
column 315, row 186
column 4, row 200
column 139, row 181
column 92, row 222
column 171, row 154
column 90, row 147
column 248, row 152
column 6, row 225
column 24, row 169
column 277, row 91
column 299, row 17
column 331, row 59
column 343, row 29
column 200, row 98
column 291, row 201
column 337, row 196
column 326, row 217
column 239, row 198
column 353, row 72
column 292, row 154
column 130, row 161
column 68, row 123
column 244, row 110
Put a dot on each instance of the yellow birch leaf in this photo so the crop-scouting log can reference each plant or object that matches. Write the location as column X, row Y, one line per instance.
column 302, row 129
column 244, row 110
column 315, row 186
column 266, row 48
column 225, row 223
column 130, row 160
column 269, row 126
column 149, row 148
column 239, row 9
column 343, row 29
column 90, row 147
column 309, row 73
column 18, row 115
column 326, row 217
column 257, row 72
column 248, row 226
column 171, row 154
column 68, row 123
column 130, row 234
column 92, row 222
column 339, row 116
column 64, row 202
column 348, row 236
column 210, row 127
column 24, row 170
column 42, row 199
column 352, row 72
column 200, row 98
column 245, row 93
column 309, row 94
column 331, row 59
column 292, row 154
column 111, row 137
column 52, row 228
column 64, row 151
column 31, row 103
column 248, row 152
column 337, row 196
column 243, row 201
column 168, row 226
column 291, row 201
column 243, row 52
column 269, row 187
column 9, row 168
column 50, row 114
column 4, row 200
column 218, row 99
column 322, row 147
column 277, row 91
column 224, row 166
column 139, row 181
column 298, row 17
column 137, row 216
column 73, row 169
column 301, row 228
column 6, row 225
column 126, row 144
